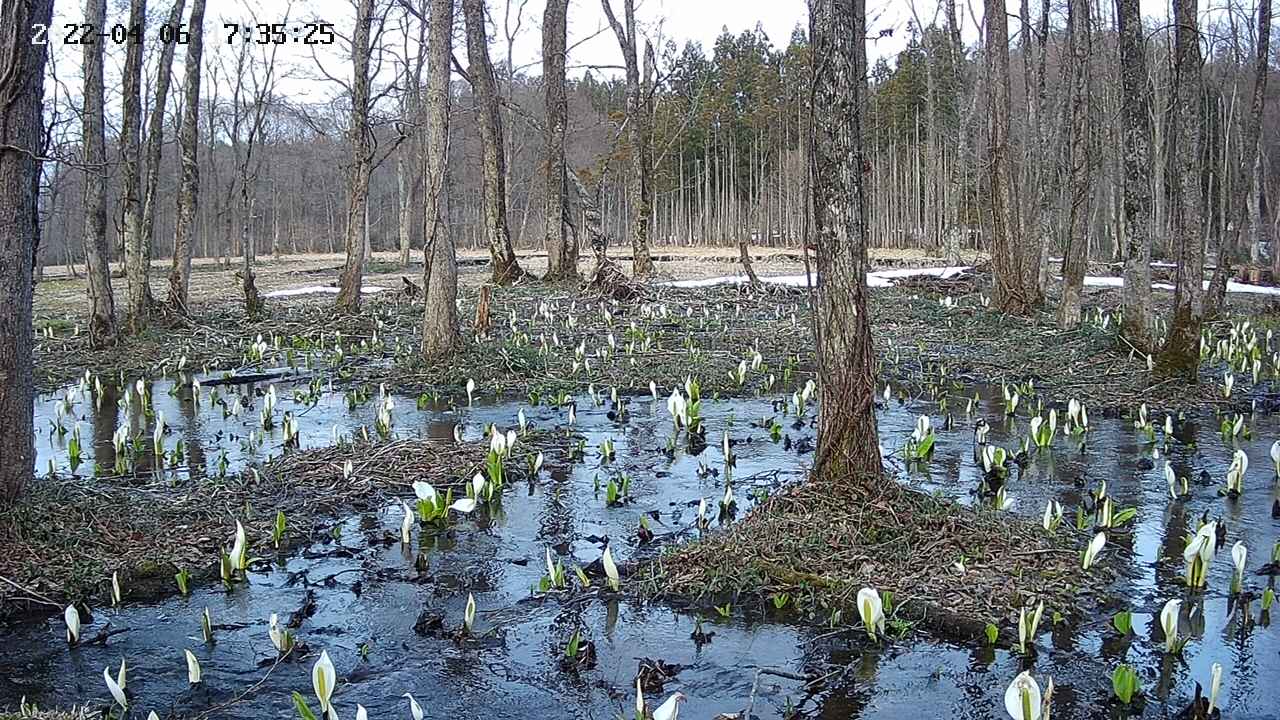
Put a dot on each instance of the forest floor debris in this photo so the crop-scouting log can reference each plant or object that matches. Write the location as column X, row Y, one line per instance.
column 819, row 542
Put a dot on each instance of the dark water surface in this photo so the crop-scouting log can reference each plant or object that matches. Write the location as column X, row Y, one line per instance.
column 368, row 594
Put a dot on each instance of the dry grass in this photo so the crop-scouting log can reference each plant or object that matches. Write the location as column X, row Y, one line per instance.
column 820, row 542
column 66, row 536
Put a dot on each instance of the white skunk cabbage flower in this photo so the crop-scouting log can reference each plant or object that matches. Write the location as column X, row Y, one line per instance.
column 239, row 549
column 71, row 616
column 117, row 692
column 1215, row 684
column 406, row 526
column 639, row 699
column 1200, row 549
column 469, row 614
column 1235, row 473
column 1239, row 553
column 193, row 668
column 274, row 632
column 1171, row 478
column 414, row 708
column 653, row 389
column 871, row 610
column 1275, row 456
column 1169, row 623
column 610, row 569
column 424, row 491
column 122, row 675
column 678, row 407
column 361, row 713
column 471, row 389
column 477, row 485
column 464, row 505
column 323, row 680
column 1022, row 698
column 1091, row 552
column 670, row 709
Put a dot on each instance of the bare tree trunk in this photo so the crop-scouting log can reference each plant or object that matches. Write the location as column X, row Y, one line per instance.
column 506, row 269
column 189, row 184
column 155, row 143
column 136, row 272
column 1136, row 149
column 1080, row 159
column 848, row 444
column 360, row 140
column 21, row 134
column 102, row 307
column 638, row 119
column 562, row 247
column 1181, row 353
column 1014, row 268
column 404, row 215
column 440, row 332
column 1239, row 207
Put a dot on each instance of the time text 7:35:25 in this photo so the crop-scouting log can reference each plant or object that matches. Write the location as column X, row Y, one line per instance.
column 306, row 33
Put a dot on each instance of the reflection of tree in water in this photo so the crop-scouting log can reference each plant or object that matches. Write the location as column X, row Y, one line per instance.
column 106, row 418
column 192, row 435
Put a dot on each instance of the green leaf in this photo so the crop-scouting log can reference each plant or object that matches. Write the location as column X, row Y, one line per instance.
column 300, row 704
column 993, row 634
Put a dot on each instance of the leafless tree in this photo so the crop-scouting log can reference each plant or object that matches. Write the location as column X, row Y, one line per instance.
column 638, row 120
column 440, row 332
column 1180, row 355
column 848, row 444
column 189, row 185
column 562, row 246
column 1080, row 161
column 1136, row 158
column 155, row 140
column 1014, row 266
column 360, row 141
column 136, row 271
column 22, row 64
column 102, row 307
column 506, row 269
column 1243, row 182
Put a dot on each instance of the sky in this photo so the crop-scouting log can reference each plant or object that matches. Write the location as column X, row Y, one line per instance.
column 592, row 43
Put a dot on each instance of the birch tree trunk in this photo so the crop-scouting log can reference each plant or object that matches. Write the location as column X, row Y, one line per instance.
column 848, row 444
column 638, row 121
column 1239, row 206
column 440, row 332
column 506, row 269
column 189, row 184
column 562, row 247
column 360, row 142
column 138, row 307
column 21, row 133
column 1180, row 355
column 1136, row 132
column 1080, row 161
column 1013, row 265
column 102, row 306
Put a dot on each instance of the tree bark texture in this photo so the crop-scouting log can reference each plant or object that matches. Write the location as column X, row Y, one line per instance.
column 97, row 252
column 440, row 332
column 1135, row 111
column 360, row 143
column 848, row 444
column 1080, row 161
column 639, row 136
column 189, row 184
column 562, row 246
column 21, row 133
column 138, row 296
column 506, row 270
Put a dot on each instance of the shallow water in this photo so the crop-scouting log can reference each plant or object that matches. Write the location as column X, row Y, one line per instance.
column 368, row 593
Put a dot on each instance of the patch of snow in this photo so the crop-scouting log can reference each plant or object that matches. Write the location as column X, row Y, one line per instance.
column 1232, row 286
column 319, row 290
column 879, row 278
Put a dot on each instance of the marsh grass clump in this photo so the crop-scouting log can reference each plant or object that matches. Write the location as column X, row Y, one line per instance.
column 822, row 541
